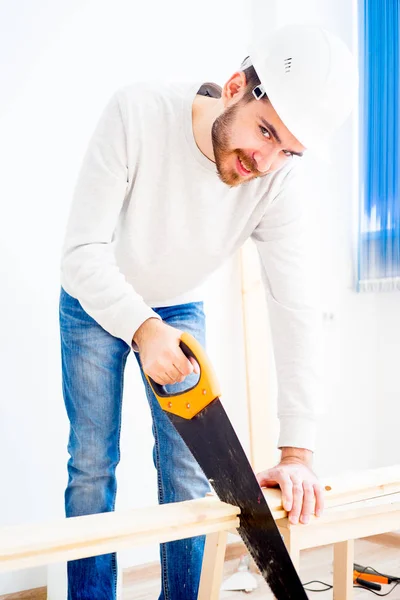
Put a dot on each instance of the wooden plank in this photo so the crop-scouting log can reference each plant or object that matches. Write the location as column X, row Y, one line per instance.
column 213, row 566
column 23, row 546
column 362, row 508
column 274, row 499
column 348, row 488
column 35, row 594
column 346, row 512
column 361, row 484
column 321, row 533
column 343, row 560
column 260, row 375
column 342, row 500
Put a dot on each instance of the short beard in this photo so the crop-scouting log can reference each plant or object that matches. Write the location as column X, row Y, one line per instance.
column 220, row 133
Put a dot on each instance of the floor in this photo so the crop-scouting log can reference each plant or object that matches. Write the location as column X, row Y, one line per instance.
column 381, row 552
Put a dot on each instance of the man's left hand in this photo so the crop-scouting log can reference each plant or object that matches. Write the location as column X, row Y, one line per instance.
column 302, row 494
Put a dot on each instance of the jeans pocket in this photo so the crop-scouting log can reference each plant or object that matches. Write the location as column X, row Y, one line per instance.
column 72, row 315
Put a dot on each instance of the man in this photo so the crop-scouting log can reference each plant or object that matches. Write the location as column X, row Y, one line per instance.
column 175, row 179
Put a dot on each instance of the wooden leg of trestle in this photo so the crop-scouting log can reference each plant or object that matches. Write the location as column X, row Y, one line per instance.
column 213, row 565
column 343, row 559
column 292, row 544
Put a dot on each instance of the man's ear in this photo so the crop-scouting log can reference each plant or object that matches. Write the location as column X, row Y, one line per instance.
column 234, row 88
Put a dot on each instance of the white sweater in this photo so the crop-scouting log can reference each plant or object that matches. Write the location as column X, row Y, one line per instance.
column 150, row 221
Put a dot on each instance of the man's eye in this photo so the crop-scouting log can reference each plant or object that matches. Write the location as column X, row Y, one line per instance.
column 265, row 132
column 288, row 153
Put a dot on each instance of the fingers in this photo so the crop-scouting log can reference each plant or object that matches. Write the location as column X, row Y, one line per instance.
column 278, row 477
column 302, row 494
column 185, row 365
column 165, row 378
column 263, row 479
column 298, row 493
column 319, row 499
column 174, row 375
column 308, row 502
column 182, row 363
column 285, row 483
column 177, row 371
column 196, row 368
column 308, row 499
column 167, row 374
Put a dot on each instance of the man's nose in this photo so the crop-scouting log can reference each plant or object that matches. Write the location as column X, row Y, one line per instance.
column 265, row 158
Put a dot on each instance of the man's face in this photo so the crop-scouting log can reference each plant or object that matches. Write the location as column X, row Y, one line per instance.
column 250, row 141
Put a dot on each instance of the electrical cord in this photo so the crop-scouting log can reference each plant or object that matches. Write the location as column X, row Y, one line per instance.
column 361, row 587
column 328, row 587
column 396, row 581
column 368, row 569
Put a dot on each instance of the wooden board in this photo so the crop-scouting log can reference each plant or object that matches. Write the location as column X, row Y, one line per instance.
column 347, row 488
column 23, row 546
column 260, row 374
column 350, row 521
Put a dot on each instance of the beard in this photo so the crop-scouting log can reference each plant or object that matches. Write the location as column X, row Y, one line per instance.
column 224, row 155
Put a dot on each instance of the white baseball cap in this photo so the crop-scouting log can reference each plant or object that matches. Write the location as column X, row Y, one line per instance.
column 310, row 78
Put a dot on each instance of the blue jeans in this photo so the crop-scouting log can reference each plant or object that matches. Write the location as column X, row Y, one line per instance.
column 93, row 363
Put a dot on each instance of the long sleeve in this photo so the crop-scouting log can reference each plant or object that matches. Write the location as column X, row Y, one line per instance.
column 286, row 242
column 89, row 271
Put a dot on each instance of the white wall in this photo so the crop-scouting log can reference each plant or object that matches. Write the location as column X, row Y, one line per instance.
column 362, row 340
column 64, row 60
column 347, row 435
column 387, row 365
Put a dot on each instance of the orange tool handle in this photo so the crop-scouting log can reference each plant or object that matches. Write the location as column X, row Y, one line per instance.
column 370, row 577
column 189, row 403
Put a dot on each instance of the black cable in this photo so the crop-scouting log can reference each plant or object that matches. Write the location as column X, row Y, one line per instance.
column 328, row 587
column 364, row 569
column 360, row 587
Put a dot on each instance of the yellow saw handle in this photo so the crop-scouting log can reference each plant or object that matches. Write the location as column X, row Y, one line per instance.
column 190, row 402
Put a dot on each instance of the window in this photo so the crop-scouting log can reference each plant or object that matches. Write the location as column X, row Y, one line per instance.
column 379, row 221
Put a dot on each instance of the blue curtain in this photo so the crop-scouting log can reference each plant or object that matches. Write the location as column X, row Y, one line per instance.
column 379, row 224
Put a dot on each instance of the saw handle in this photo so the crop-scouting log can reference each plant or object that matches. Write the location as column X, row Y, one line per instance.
column 190, row 402
column 368, row 584
column 159, row 389
column 370, row 576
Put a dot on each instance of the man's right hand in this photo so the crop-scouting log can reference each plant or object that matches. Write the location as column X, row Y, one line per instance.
column 160, row 354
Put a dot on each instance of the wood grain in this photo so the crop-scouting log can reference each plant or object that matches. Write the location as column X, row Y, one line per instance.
column 25, row 546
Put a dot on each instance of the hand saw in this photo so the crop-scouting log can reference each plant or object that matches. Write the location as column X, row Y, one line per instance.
column 201, row 421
